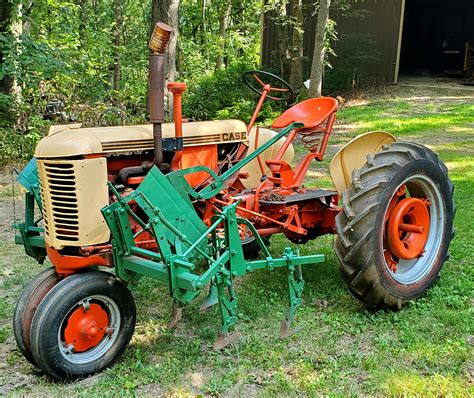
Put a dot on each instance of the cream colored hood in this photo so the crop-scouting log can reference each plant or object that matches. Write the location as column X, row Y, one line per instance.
column 71, row 140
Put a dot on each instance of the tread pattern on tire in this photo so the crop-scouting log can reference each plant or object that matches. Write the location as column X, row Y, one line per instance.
column 356, row 222
column 32, row 295
column 63, row 288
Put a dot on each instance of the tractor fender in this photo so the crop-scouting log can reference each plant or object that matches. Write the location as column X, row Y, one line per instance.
column 353, row 156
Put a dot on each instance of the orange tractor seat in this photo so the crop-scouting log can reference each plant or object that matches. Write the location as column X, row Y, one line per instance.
column 312, row 112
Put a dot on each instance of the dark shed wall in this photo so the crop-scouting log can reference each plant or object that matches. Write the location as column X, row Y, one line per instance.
column 378, row 20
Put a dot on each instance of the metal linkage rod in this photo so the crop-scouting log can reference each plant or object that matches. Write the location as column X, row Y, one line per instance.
column 216, row 184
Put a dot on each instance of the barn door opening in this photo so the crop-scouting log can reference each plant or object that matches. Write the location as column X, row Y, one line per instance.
column 438, row 38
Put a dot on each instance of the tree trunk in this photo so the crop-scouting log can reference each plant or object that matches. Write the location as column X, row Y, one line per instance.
column 289, row 21
column 317, row 67
column 296, row 51
column 83, row 15
column 117, row 44
column 223, row 25
column 204, row 32
column 16, row 29
column 167, row 11
column 283, row 39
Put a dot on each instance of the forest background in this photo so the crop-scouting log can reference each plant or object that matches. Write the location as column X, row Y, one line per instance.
column 86, row 61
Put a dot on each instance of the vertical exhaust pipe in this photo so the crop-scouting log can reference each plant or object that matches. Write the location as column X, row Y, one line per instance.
column 156, row 86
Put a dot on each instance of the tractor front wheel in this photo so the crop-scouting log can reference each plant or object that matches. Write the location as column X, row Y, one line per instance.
column 395, row 225
column 83, row 325
column 30, row 298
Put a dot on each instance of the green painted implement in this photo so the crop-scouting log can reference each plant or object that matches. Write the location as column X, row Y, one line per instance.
column 185, row 241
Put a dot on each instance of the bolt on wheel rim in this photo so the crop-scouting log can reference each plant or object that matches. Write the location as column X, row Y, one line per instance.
column 89, row 329
column 418, row 219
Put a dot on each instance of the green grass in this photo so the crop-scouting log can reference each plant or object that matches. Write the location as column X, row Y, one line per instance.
column 424, row 350
column 404, row 118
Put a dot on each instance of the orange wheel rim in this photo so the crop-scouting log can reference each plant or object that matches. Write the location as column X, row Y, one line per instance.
column 86, row 327
column 407, row 228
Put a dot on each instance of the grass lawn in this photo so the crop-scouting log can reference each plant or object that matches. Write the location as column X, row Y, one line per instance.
column 425, row 349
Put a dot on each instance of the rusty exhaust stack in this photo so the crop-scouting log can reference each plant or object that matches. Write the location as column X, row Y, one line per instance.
column 156, row 85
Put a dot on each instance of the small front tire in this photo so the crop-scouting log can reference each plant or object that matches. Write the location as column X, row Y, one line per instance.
column 26, row 306
column 83, row 325
column 250, row 246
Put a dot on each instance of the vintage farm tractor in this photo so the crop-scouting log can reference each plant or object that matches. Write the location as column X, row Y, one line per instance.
column 189, row 203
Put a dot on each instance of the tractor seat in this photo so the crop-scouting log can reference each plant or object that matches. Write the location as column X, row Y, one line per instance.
column 312, row 112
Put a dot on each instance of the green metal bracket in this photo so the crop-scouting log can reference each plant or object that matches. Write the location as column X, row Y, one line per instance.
column 295, row 292
column 28, row 177
column 29, row 234
column 211, row 190
column 182, row 239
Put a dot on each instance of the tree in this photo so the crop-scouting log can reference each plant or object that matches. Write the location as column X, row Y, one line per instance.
column 11, row 26
column 319, row 52
column 117, row 44
column 289, row 20
column 296, row 51
column 223, row 26
column 167, row 11
column 5, row 16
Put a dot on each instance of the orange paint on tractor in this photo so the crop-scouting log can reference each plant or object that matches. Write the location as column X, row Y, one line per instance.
column 408, row 227
column 68, row 265
column 86, row 327
column 203, row 155
column 177, row 89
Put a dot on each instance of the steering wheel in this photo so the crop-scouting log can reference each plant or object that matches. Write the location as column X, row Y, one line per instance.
column 257, row 79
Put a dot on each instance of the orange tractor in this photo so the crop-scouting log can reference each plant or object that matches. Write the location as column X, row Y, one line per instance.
column 190, row 204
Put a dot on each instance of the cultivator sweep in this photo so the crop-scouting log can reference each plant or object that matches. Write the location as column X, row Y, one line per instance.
column 191, row 204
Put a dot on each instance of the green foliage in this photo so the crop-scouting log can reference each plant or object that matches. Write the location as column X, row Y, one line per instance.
column 353, row 69
column 67, row 52
column 201, row 40
column 6, row 110
column 223, row 95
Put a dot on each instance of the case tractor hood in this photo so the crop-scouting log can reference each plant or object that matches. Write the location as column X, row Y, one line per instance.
column 72, row 140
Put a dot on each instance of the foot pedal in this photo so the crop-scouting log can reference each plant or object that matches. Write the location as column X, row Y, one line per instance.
column 286, row 331
column 223, row 340
column 176, row 316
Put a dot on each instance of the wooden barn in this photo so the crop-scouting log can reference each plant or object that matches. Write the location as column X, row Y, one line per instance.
column 380, row 39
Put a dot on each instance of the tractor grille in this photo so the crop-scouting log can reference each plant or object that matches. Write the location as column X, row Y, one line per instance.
column 73, row 192
column 61, row 184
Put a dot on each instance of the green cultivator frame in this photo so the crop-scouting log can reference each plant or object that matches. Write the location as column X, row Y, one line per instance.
column 218, row 249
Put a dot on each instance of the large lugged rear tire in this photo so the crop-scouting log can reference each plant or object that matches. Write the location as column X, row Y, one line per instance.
column 395, row 225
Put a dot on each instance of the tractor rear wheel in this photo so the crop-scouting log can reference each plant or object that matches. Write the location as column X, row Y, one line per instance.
column 30, row 298
column 83, row 325
column 395, row 225
column 250, row 246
